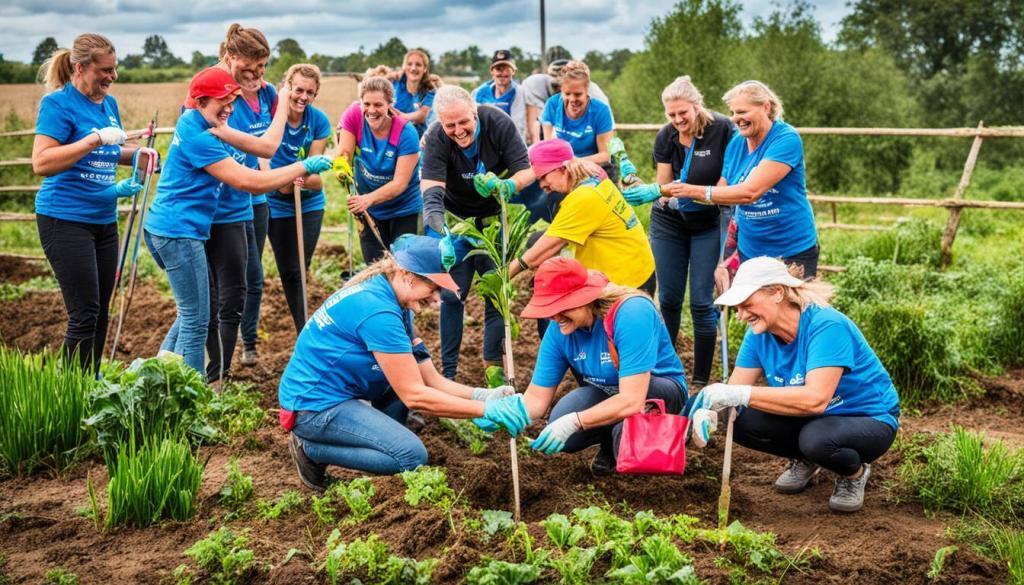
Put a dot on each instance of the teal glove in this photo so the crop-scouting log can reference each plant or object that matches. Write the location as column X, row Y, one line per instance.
column 626, row 168
column 489, row 185
column 447, row 246
column 509, row 412
column 486, row 425
column 641, row 194
column 317, row 164
column 127, row 187
column 552, row 439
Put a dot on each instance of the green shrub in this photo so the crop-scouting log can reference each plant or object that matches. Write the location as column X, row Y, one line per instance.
column 153, row 398
column 152, row 481
column 915, row 241
column 43, row 400
column 237, row 488
column 371, row 560
column 223, row 556
column 958, row 472
column 1008, row 330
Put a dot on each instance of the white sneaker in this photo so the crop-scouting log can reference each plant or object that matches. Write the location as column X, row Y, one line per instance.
column 795, row 479
column 848, row 495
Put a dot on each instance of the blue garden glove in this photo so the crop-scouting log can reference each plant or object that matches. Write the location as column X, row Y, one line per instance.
column 627, row 168
column 447, row 245
column 702, row 425
column 717, row 396
column 127, row 187
column 552, row 439
column 641, row 194
column 488, row 185
column 508, row 412
column 318, row 163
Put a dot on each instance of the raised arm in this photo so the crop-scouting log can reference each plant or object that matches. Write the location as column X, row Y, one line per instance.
column 264, row 146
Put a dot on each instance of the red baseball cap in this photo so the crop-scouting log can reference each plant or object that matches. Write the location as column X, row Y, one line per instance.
column 548, row 155
column 211, row 82
column 560, row 284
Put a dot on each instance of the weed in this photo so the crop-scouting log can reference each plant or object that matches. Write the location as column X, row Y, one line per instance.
column 61, row 576
column 430, row 484
column 467, row 433
column 43, row 402
column 940, row 561
column 223, row 556
column 237, row 489
column 496, row 572
column 372, row 560
column 236, row 409
column 285, row 504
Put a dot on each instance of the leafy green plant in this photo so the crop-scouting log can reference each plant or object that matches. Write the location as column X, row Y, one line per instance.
column 467, row 433
column 61, row 576
column 958, row 472
column 658, row 561
column 430, row 484
column 152, row 481
column 1009, row 545
column 749, row 549
column 519, row 538
column 224, row 557
column 236, row 409
column 561, row 532
column 237, row 488
column 356, row 495
column 496, row 286
column 574, row 566
column 371, row 560
column 939, row 561
column 285, row 504
column 495, row 521
column 43, row 400
column 1007, row 334
column 155, row 397
column 495, row 572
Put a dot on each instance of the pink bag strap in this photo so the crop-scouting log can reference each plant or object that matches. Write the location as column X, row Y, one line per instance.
column 352, row 120
column 609, row 330
column 658, row 403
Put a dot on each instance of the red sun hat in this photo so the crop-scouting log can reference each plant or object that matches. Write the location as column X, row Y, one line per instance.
column 548, row 155
column 211, row 82
column 561, row 284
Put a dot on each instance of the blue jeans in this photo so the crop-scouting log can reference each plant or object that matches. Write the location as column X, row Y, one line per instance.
column 184, row 261
column 256, row 237
column 688, row 244
column 366, row 437
column 452, row 314
column 608, row 436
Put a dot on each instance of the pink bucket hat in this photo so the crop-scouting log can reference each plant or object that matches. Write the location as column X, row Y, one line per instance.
column 548, row 155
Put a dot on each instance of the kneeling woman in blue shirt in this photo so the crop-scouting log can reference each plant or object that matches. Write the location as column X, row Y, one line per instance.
column 358, row 368
column 616, row 375
column 828, row 401
column 199, row 167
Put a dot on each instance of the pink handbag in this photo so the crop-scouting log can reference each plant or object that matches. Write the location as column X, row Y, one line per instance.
column 653, row 442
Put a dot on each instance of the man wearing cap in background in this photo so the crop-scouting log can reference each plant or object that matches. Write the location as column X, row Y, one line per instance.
column 539, row 87
column 828, row 401
column 358, row 367
column 503, row 91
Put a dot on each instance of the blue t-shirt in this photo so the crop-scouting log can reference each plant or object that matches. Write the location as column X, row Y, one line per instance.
column 295, row 146
column 827, row 338
column 186, row 196
column 376, row 159
column 485, row 95
column 781, row 223
column 85, row 191
column 236, row 205
column 641, row 341
column 580, row 133
column 408, row 103
column 333, row 357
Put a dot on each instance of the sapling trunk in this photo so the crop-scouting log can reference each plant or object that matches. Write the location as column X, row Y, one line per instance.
column 510, row 368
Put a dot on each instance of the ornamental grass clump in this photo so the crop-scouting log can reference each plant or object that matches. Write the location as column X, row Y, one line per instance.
column 43, row 399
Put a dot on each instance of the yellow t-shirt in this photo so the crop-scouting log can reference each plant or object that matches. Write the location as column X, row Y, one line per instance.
column 604, row 233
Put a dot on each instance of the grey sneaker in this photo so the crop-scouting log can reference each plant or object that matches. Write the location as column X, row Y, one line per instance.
column 312, row 474
column 249, row 357
column 795, row 479
column 848, row 495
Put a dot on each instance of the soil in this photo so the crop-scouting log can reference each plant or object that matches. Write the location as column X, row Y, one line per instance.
column 891, row 541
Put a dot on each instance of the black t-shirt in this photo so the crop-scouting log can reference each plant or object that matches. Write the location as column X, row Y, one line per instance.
column 499, row 147
column 708, row 151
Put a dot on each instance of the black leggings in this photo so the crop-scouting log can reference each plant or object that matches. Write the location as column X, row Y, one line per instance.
column 84, row 260
column 285, row 244
column 227, row 252
column 389, row 230
column 837, row 443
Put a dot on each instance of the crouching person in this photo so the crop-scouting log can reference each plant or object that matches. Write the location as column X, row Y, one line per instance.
column 358, row 368
column 617, row 372
column 829, row 401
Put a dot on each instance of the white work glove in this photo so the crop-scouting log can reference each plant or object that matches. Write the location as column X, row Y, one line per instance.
column 703, row 424
column 552, row 439
column 717, row 396
column 484, row 394
column 111, row 135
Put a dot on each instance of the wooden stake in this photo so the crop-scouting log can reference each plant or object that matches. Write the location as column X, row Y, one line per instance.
column 510, row 369
column 953, row 223
column 300, row 240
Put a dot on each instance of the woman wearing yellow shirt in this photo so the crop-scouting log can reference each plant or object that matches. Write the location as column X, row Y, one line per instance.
column 594, row 220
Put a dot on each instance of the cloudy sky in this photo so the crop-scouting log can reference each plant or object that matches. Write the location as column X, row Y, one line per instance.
column 340, row 27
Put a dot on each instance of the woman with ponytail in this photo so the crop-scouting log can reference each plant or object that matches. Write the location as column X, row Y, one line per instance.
column 414, row 90
column 77, row 148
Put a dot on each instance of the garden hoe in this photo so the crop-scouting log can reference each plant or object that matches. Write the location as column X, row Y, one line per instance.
column 140, row 211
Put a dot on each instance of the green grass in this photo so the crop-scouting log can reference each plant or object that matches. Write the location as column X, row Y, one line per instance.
column 42, row 403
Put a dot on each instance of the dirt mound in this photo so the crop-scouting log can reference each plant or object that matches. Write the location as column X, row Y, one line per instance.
column 16, row 270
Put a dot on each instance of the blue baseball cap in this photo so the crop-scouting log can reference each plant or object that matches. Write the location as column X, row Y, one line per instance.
column 421, row 255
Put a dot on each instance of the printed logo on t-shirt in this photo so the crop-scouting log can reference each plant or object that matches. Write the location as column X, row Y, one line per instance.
column 113, row 121
column 779, row 380
column 582, row 356
column 797, row 380
column 837, row 400
column 389, row 153
column 702, row 153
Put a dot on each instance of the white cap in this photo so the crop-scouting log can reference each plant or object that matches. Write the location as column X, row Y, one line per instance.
column 754, row 274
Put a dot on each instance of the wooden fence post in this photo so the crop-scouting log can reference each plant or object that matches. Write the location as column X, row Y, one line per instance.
column 953, row 223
